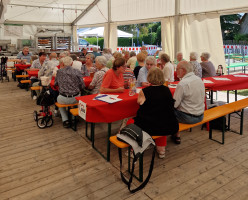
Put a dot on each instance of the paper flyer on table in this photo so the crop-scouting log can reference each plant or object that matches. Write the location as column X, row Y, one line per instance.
column 207, row 81
column 221, row 79
column 172, row 85
column 108, row 98
column 240, row 75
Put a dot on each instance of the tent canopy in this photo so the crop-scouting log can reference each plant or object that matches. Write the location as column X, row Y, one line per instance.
column 186, row 25
column 98, row 32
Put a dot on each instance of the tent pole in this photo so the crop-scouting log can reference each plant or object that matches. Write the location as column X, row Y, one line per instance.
column 176, row 39
column 109, row 20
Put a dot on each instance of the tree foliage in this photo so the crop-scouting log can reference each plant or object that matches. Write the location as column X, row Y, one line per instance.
column 230, row 26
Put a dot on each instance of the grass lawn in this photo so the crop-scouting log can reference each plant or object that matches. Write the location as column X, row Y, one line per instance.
column 241, row 92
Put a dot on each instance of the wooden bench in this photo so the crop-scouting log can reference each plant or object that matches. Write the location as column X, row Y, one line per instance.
column 27, row 83
column 69, row 106
column 122, row 145
column 22, row 76
column 33, row 89
column 209, row 115
column 74, row 112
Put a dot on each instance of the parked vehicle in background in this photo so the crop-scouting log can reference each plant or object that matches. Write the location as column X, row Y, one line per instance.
column 83, row 43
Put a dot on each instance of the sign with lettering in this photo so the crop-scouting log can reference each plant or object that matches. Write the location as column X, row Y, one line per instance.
column 82, row 109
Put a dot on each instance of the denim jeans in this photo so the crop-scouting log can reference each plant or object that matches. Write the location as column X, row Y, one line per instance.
column 187, row 118
column 65, row 100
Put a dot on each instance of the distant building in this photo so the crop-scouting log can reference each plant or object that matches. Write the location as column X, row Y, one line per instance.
column 244, row 24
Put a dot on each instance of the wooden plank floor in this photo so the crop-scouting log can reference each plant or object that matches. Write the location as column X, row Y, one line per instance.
column 58, row 163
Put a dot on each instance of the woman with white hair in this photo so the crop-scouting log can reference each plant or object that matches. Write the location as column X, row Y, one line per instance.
column 142, row 77
column 96, row 83
column 179, row 58
column 197, row 69
column 208, row 69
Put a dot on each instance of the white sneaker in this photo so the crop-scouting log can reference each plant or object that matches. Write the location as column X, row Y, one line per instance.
column 56, row 113
column 34, row 97
column 161, row 154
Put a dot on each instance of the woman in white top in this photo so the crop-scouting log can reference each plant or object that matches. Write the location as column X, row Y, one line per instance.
column 168, row 68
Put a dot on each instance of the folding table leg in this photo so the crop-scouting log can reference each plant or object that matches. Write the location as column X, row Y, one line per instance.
column 241, row 121
column 236, row 93
column 108, row 142
column 212, row 96
column 229, row 122
column 223, row 130
column 227, row 92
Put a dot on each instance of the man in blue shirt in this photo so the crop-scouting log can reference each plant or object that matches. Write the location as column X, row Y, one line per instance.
column 24, row 56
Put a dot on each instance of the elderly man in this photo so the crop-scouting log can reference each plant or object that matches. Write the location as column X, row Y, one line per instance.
column 70, row 84
column 189, row 97
column 24, row 56
column 142, row 77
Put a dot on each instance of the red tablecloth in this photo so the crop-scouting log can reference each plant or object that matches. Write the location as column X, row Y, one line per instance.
column 102, row 112
column 235, row 83
column 87, row 81
column 33, row 73
column 21, row 66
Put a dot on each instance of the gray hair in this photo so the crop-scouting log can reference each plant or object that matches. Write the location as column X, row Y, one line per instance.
column 186, row 65
column 151, row 59
column 193, row 55
column 205, row 55
column 132, row 53
column 105, row 50
column 67, row 61
column 67, row 53
column 101, row 60
column 91, row 55
column 94, row 49
column 26, row 47
column 179, row 53
column 62, row 54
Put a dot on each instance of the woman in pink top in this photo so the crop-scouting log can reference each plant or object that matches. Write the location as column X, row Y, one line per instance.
column 113, row 79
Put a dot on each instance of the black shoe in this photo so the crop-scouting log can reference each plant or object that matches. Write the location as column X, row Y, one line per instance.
column 176, row 140
column 66, row 124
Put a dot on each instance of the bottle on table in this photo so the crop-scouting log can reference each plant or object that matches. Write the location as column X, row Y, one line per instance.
column 132, row 86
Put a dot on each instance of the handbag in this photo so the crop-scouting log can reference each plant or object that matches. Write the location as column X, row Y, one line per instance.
column 134, row 132
column 139, row 141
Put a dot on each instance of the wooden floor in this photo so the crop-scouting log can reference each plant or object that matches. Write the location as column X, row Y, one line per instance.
column 58, row 163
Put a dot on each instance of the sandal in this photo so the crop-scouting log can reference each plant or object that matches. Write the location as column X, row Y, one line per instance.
column 177, row 140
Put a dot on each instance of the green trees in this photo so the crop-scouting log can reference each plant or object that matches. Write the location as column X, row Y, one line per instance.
column 230, row 26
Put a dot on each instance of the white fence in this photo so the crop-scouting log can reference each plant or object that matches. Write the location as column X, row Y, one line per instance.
column 236, row 49
column 151, row 49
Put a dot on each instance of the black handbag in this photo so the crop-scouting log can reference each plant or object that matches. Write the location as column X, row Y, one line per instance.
column 134, row 132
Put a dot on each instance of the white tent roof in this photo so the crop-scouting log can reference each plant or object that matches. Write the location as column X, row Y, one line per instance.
column 98, row 32
column 122, row 12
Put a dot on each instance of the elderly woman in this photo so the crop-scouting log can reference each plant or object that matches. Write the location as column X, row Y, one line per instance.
column 168, row 68
column 70, row 84
column 156, row 113
column 179, row 58
column 96, row 83
column 113, row 79
column 89, row 66
column 197, row 69
column 142, row 77
column 208, row 69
